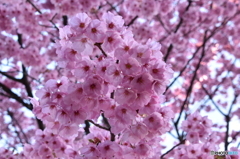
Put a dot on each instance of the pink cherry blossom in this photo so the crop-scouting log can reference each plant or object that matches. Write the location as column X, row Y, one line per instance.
column 95, row 31
column 130, row 66
column 125, row 96
column 80, row 22
column 118, row 79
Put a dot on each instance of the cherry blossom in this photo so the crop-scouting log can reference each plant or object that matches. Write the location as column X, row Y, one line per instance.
column 118, row 79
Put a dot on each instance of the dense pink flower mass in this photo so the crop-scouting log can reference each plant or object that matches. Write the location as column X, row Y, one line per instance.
column 118, row 103
column 123, row 79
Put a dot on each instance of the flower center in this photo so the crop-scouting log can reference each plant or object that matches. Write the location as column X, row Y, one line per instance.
column 81, row 25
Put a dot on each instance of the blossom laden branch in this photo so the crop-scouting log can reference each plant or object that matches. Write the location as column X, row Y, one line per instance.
column 189, row 90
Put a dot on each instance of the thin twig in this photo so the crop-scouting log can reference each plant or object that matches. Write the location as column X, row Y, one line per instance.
column 100, row 47
column 211, row 98
column 29, row 1
column 19, row 126
column 189, row 90
column 132, row 21
column 10, row 77
column 182, row 142
column 15, row 96
column 97, row 125
column 228, row 119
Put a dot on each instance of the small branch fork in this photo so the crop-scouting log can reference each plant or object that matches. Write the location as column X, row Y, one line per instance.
column 228, row 119
column 175, row 30
column 180, row 143
column 105, row 122
column 99, row 45
column 210, row 96
column 11, row 114
column 227, row 116
column 213, row 32
column 189, row 90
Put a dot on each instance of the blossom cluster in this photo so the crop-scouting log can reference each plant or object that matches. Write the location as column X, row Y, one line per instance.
column 109, row 75
column 197, row 127
column 200, row 139
column 198, row 38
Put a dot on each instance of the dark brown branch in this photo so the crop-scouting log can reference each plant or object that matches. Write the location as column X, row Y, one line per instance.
column 162, row 156
column 40, row 124
column 19, row 126
column 191, row 84
column 175, row 31
column 183, row 69
column 178, row 26
column 112, row 7
column 228, row 119
column 161, row 22
column 219, row 84
column 65, row 20
column 20, row 40
column 179, row 137
column 112, row 136
column 168, row 52
column 105, row 121
column 226, row 143
column 11, row 94
column 87, row 127
column 29, row 92
column 99, row 45
column 5, row 95
column 194, row 54
column 132, row 21
column 10, row 77
column 112, row 95
column 15, row 96
column 54, row 25
column 181, row 19
column 211, row 98
column 33, row 5
column 233, row 102
column 98, row 125
column 25, row 82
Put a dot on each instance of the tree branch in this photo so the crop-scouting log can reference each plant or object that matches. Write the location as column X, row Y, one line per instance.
column 10, row 77
column 98, row 125
column 87, row 127
column 99, row 45
column 15, row 96
column 33, row 5
column 20, row 40
column 191, row 84
column 25, row 82
column 65, row 20
column 182, row 142
column 132, row 21
column 228, row 119
column 19, row 126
